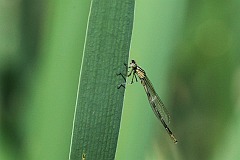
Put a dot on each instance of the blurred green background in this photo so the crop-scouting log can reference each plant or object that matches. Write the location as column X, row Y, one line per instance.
column 189, row 49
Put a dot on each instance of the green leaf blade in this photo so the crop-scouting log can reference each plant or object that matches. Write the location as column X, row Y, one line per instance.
column 99, row 102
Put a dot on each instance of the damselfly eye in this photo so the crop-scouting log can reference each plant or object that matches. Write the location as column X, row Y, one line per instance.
column 133, row 64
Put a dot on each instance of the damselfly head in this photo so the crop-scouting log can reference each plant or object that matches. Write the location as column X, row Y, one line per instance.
column 133, row 64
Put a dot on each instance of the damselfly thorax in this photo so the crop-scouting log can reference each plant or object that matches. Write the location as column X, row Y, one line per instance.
column 140, row 72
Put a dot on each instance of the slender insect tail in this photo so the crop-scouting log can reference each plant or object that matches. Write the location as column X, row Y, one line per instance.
column 169, row 131
column 173, row 138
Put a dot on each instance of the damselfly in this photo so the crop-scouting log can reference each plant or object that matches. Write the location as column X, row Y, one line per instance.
column 156, row 103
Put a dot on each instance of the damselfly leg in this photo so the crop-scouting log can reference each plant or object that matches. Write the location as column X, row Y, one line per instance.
column 132, row 72
column 134, row 75
column 123, row 76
